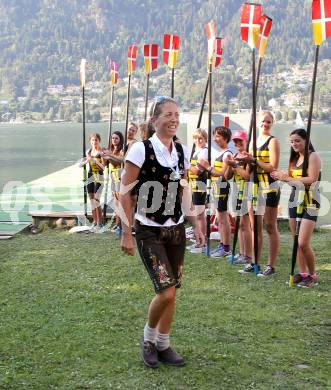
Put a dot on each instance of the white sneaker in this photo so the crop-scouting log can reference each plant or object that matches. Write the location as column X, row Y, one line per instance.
column 221, row 253
column 198, row 249
column 102, row 229
column 93, row 227
column 219, row 246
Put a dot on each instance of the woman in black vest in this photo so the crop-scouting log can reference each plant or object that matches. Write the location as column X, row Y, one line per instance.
column 305, row 255
column 158, row 168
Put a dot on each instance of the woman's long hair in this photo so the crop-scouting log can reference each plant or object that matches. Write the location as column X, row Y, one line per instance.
column 120, row 145
column 294, row 155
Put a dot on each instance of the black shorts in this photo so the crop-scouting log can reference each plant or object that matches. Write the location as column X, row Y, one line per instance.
column 162, row 252
column 272, row 198
column 94, row 187
column 199, row 198
column 310, row 213
column 221, row 195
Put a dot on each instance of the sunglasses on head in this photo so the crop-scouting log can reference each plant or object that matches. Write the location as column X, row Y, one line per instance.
column 159, row 100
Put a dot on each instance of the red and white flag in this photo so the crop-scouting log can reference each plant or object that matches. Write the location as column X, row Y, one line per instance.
column 218, row 51
column 170, row 49
column 266, row 24
column 250, row 24
column 150, row 57
column 211, row 36
column 82, row 72
column 321, row 18
column 113, row 72
column 132, row 59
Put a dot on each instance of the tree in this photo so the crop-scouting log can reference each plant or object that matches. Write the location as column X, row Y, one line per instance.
column 95, row 116
column 278, row 116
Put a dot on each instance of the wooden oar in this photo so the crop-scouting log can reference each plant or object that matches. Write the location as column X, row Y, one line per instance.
column 171, row 44
column 250, row 28
column 211, row 35
column 132, row 60
column 114, row 79
column 82, row 83
column 150, row 60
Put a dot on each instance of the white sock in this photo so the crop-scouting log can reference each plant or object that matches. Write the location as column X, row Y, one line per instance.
column 162, row 341
column 150, row 334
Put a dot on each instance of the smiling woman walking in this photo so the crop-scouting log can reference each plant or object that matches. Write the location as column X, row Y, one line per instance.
column 159, row 164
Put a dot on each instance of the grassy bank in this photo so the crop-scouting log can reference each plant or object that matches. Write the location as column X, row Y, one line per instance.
column 72, row 309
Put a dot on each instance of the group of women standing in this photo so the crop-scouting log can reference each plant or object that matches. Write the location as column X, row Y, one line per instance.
column 240, row 166
column 98, row 159
column 160, row 165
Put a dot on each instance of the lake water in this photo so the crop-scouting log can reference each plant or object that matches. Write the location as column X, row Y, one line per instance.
column 29, row 151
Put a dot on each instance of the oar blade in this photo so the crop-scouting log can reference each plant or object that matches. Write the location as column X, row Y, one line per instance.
column 250, row 24
column 321, row 20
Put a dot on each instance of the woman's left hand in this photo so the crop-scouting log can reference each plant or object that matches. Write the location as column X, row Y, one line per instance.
column 245, row 158
column 280, row 175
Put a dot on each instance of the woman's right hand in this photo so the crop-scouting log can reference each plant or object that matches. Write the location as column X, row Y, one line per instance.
column 128, row 245
column 204, row 164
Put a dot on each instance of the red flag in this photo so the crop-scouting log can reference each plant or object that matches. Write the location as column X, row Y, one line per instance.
column 218, row 51
column 250, row 23
column 226, row 121
column 321, row 18
column 113, row 72
column 132, row 58
column 150, row 57
column 266, row 24
column 170, row 49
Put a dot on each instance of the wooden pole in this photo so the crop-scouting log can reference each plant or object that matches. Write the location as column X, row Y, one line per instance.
column 84, row 154
column 209, row 155
column 146, row 98
column 105, row 203
column 201, row 113
column 127, row 113
column 173, row 83
column 255, row 179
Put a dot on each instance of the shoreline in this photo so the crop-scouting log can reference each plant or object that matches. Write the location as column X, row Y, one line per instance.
column 106, row 121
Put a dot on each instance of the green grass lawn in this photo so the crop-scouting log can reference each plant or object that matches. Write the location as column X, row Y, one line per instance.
column 73, row 309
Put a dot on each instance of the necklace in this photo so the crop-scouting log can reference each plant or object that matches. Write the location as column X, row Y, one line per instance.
column 175, row 174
